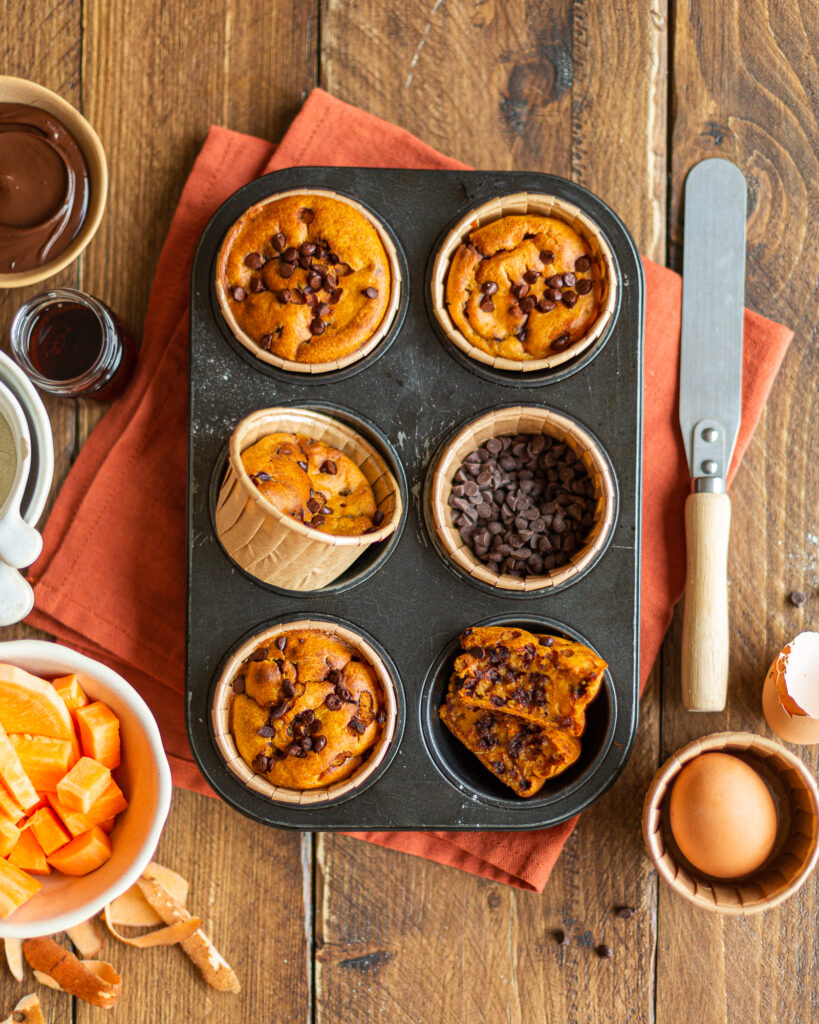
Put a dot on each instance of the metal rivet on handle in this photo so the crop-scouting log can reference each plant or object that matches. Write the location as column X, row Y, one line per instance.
column 709, row 466
column 710, row 434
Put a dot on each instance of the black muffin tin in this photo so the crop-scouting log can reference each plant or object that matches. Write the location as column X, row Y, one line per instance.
column 412, row 392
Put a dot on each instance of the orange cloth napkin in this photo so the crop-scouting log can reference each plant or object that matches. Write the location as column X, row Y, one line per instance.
column 111, row 579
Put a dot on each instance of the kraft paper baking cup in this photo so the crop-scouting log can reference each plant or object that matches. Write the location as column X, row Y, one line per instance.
column 274, row 547
column 797, row 847
column 545, row 206
column 226, row 745
column 396, row 284
column 521, row 419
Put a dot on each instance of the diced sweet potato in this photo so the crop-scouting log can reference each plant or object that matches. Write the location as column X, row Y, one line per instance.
column 84, row 785
column 30, row 704
column 72, row 693
column 9, row 836
column 84, row 854
column 109, row 805
column 49, row 832
column 108, row 825
column 13, row 776
column 15, row 887
column 28, row 855
column 75, row 822
column 9, row 806
column 99, row 733
column 44, row 759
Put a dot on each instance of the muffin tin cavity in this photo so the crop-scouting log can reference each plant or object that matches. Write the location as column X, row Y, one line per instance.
column 462, row 769
column 371, row 349
column 378, row 758
column 410, row 399
column 274, row 548
column 503, row 422
column 558, row 364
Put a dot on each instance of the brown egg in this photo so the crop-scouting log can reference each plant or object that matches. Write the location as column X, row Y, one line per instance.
column 722, row 816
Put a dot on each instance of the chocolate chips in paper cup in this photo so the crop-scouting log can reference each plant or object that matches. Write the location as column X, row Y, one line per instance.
column 522, row 498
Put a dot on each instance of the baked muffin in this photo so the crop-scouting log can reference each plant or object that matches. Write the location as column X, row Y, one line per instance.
column 544, row 679
column 314, row 483
column 524, row 287
column 306, row 710
column 520, row 753
column 305, row 277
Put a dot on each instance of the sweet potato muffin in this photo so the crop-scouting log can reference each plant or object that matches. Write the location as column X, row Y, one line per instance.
column 520, row 753
column 305, row 277
column 306, row 710
column 524, row 287
column 545, row 679
column 314, row 483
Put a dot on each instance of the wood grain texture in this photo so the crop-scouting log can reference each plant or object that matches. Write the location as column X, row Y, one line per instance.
column 744, row 85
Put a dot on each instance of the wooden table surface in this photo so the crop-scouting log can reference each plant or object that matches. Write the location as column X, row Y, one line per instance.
column 622, row 97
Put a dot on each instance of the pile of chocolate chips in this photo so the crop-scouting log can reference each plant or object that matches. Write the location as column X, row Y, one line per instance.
column 322, row 269
column 523, row 504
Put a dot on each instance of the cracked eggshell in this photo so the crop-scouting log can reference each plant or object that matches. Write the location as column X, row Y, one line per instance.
column 790, row 696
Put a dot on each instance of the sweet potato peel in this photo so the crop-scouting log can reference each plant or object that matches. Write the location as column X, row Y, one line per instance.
column 167, row 936
column 14, row 957
column 27, row 1011
column 86, row 939
column 94, row 981
column 211, row 964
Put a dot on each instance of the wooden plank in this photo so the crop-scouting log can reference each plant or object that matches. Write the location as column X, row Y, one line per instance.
column 740, row 93
column 425, row 942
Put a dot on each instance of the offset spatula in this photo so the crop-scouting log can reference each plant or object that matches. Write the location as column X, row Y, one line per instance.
column 710, row 396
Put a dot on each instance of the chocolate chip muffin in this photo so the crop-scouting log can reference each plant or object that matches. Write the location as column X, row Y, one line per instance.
column 305, row 278
column 314, row 483
column 524, row 287
column 521, row 754
column 306, row 710
column 544, row 679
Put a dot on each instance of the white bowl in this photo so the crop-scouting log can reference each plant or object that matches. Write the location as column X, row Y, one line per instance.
column 42, row 443
column 144, row 777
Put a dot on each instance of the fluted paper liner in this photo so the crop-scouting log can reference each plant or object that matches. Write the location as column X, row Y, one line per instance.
column 226, row 745
column 276, row 548
column 797, row 847
column 522, row 419
column 544, row 206
column 396, row 283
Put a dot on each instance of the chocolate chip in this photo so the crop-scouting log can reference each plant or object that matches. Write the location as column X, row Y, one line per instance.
column 357, row 726
column 278, row 241
column 519, row 290
column 305, row 262
column 317, row 326
column 313, row 505
column 290, row 255
column 561, row 342
column 260, row 764
column 287, row 270
column 527, row 304
column 238, row 293
column 797, row 598
column 554, row 294
column 489, row 287
column 343, row 269
column 323, row 309
column 297, row 297
column 625, row 912
column 307, row 743
column 569, row 279
column 259, row 655
column 254, row 261
column 266, row 731
column 370, row 293
column 545, row 305
column 307, row 249
column 317, row 521
column 570, row 299
column 333, row 701
column 307, row 215
column 582, row 264
column 279, row 709
column 334, row 296
column 547, row 256
column 314, row 281
column 604, row 952
column 319, row 743
column 583, row 286
column 283, row 295
column 239, row 684
column 487, row 305
column 328, row 466
column 531, row 276
column 378, row 517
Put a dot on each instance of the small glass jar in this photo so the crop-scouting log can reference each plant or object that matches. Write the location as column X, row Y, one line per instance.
column 72, row 345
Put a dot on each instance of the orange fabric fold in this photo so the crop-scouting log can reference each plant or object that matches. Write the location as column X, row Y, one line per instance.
column 111, row 579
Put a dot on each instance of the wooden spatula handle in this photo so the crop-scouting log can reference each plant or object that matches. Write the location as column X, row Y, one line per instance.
column 705, row 620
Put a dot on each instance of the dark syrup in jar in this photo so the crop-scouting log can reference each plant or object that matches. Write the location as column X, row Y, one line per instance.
column 66, row 342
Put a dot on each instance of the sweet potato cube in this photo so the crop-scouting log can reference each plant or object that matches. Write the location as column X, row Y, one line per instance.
column 49, row 832
column 108, row 825
column 13, row 776
column 99, row 733
column 84, row 854
column 109, row 805
column 83, row 786
column 15, row 887
column 9, row 836
column 28, row 854
column 73, row 695
column 44, row 760
column 75, row 822
column 9, row 806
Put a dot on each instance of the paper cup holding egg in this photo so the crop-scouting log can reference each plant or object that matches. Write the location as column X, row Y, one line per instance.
column 790, row 696
column 731, row 823
column 273, row 546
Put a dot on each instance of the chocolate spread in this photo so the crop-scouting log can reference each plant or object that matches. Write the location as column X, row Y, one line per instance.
column 44, row 187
